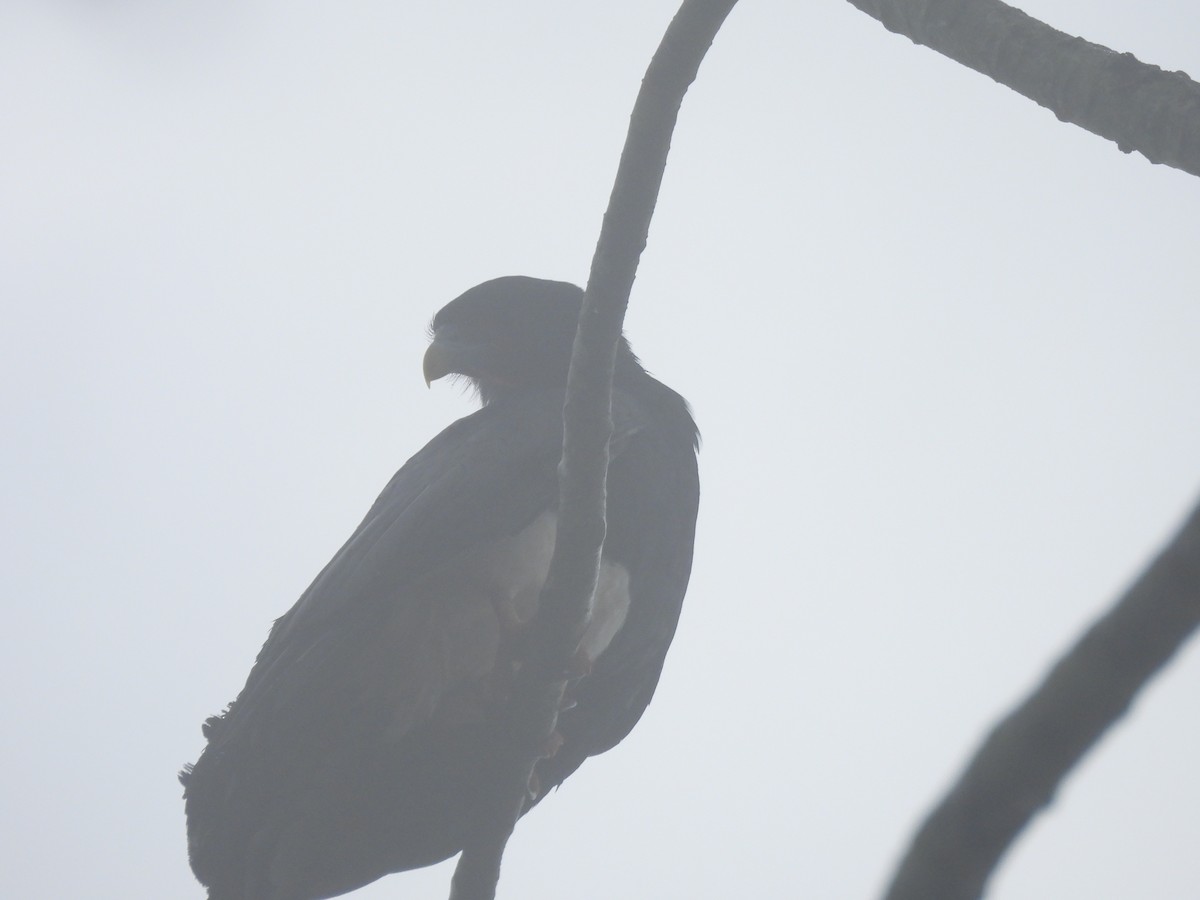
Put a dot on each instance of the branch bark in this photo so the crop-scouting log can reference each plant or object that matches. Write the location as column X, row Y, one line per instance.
column 1137, row 105
column 1020, row 765
column 565, row 604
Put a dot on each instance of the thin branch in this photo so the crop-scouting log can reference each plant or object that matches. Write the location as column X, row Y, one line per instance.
column 1137, row 105
column 1021, row 764
column 565, row 604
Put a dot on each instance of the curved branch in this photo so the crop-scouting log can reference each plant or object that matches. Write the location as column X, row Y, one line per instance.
column 565, row 604
column 1021, row 763
column 1137, row 105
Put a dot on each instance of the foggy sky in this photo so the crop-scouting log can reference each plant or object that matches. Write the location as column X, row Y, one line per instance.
column 941, row 348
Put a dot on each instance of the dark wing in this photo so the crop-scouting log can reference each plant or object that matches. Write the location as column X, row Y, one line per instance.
column 485, row 477
column 305, row 715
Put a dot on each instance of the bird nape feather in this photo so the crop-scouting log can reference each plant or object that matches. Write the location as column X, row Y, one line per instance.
column 364, row 736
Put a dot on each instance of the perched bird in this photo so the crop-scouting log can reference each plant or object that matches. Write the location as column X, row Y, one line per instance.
column 360, row 743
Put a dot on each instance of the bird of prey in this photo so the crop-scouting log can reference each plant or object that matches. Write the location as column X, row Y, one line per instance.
column 363, row 738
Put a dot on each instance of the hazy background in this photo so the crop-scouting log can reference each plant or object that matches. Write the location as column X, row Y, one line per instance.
column 942, row 347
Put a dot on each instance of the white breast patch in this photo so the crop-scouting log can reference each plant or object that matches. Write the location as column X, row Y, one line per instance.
column 516, row 568
column 609, row 608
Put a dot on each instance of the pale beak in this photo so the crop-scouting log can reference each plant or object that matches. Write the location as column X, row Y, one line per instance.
column 438, row 362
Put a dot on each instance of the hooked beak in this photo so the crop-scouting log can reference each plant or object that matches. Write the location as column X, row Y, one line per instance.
column 438, row 362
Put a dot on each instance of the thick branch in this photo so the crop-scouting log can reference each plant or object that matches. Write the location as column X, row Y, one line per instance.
column 1019, row 767
column 565, row 604
column 1139, row 106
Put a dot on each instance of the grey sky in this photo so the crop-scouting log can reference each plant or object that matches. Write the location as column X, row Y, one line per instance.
column 942, row 349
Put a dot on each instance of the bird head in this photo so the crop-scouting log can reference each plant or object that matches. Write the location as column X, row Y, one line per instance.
column 510, row 333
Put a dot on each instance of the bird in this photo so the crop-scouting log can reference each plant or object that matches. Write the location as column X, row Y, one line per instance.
column 362, row 741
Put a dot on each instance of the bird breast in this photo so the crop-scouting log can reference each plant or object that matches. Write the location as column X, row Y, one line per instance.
column 517, row 568
column 452, row 644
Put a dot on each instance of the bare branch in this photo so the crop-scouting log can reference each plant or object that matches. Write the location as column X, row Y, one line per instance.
column 565, row 604
column 1137, row 105
column 1019, row 767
